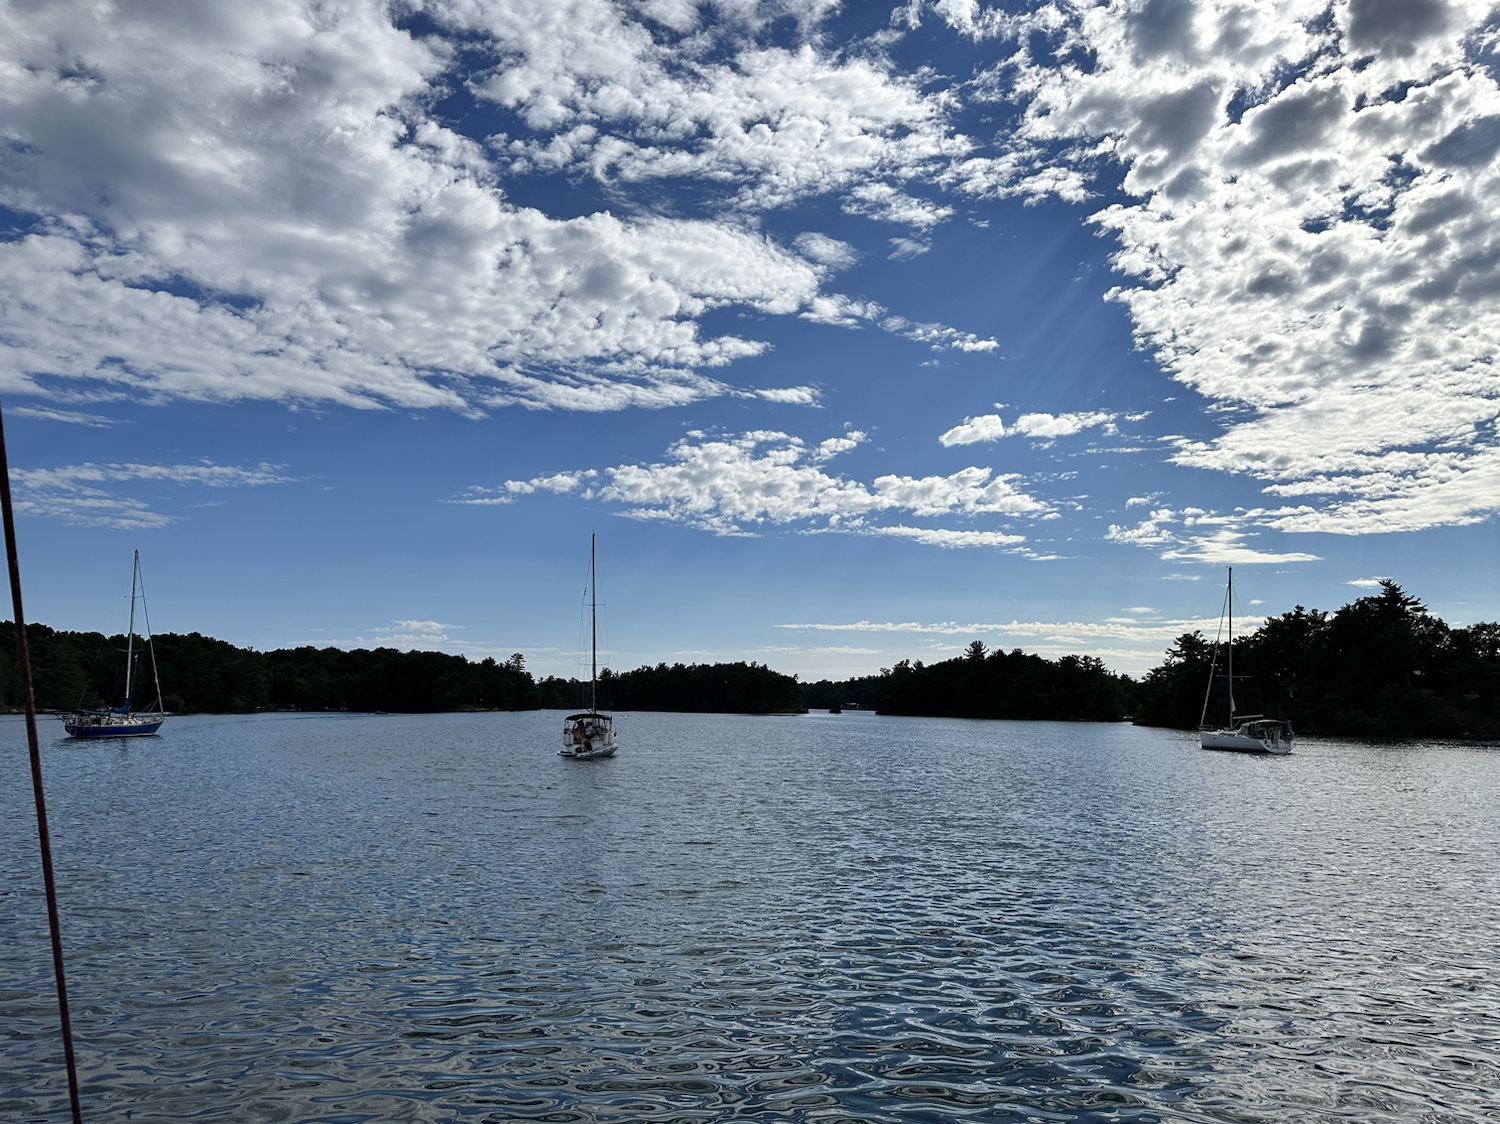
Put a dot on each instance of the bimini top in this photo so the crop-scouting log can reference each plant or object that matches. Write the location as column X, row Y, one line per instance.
column 588, row 716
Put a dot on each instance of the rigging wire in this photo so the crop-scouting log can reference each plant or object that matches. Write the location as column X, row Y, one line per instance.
column 150, row 647
column 23, row 653
column 1213, row 666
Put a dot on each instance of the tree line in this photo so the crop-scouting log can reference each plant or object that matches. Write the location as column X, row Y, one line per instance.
column 987, row 684
column 1381, row 666
column 720, row 688
column 199, row 674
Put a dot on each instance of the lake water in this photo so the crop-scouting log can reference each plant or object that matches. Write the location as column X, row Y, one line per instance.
column 350, row 918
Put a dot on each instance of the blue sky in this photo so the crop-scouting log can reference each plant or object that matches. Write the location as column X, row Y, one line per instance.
column 855, row 332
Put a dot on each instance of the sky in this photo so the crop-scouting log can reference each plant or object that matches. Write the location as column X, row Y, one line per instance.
column 853, row 332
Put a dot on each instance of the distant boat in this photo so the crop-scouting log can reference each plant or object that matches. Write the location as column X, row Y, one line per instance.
column 1249, row 733
column 123, row 721
column 590, row 734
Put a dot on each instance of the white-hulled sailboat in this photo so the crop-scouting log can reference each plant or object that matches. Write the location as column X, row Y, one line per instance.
column 1249, row 733
column 124, row 721
column 590, row 734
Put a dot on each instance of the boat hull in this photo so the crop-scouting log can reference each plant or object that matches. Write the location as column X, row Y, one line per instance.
column 126, row 728
column 591, row 753
column 1244, row 741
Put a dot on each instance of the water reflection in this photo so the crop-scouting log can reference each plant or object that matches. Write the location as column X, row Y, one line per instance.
column 435, row 918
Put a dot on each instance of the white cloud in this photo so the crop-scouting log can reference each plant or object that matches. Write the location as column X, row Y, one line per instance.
column 790, row 395
column 1226, row 547
column 263, row 204
column 421, row 636
column 821, row 650
column 831, row 447
column 989, row 427
column 1194, row 535
column 416, row 632
column 904, row 249
column 986, row 427
column 602, row 94
column 971, row 490
column 1134, row 646
column 825, row 250
column 108, row 495
column 358, row 251
column 1061, row 425
column 736, row 485
column 950, row 539
column 558, row 483
column 71, row 417
column 937, row 336
column 1305, row 227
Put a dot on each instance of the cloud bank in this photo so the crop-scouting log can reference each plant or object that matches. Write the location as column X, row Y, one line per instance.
column 267, row 203
column 1303, row 208
column 282, row 203
column 765, row 478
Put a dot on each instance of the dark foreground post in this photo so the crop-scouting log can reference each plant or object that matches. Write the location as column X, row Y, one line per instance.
column 23, row 653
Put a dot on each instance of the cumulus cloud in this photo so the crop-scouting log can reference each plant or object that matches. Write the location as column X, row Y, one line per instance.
column 270, row 204
column 557, row 483
column 986, row 427
column 778, row 123
column 1045, row 427
column 738, row 485
column 789, row 395
column 264, row 204
column 1303, row 221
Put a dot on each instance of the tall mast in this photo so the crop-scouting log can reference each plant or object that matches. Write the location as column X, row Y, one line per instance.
column 593, row 634
column 135, row 570
column 1231, row 644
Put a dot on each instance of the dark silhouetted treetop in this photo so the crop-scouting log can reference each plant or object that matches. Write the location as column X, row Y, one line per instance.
column 1380, row 666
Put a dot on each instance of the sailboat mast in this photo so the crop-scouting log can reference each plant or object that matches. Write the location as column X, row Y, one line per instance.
column 593, row 634
column 1230, row 610
column 135, row 570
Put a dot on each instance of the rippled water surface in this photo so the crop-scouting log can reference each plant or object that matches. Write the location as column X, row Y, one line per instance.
column 825, row 918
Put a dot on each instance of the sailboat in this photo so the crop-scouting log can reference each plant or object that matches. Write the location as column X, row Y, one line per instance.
column 590, row 734
column 1250, row 733
column 122, row 721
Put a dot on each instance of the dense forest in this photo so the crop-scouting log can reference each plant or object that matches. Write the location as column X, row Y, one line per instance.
column 984, row 684
column 1381, row 666
column 202, row 675
column 721, row 688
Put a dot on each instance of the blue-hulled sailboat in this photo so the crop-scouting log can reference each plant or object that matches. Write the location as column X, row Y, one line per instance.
column 123, row 721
